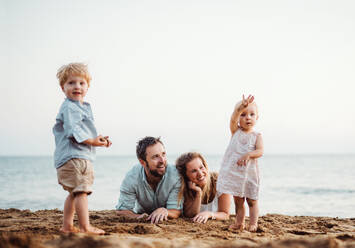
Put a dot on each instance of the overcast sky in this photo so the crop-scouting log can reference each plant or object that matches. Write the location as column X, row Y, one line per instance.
column 176, row 69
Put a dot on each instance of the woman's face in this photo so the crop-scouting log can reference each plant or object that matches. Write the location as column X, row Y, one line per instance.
column 196, row 172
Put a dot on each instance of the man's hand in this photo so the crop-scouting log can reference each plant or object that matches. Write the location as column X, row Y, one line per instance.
column 202, row 217
column 244, row 160
column 194, row 187
column 159, row 214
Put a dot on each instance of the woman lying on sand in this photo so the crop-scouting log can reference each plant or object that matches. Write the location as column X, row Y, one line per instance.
column 198, row 188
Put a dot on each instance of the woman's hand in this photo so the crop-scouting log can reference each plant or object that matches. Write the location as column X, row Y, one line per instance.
column 202, row 217
column 194, row 187
column 243, row 160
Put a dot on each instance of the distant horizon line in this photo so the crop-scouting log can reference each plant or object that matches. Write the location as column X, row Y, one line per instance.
column 174, row 154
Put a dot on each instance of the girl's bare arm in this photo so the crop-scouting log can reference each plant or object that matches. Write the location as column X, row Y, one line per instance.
column 257, row 153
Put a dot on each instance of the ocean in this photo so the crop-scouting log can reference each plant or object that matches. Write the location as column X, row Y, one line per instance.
column 307, row 185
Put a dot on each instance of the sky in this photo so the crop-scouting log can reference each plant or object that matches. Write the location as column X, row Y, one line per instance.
column 175, row 69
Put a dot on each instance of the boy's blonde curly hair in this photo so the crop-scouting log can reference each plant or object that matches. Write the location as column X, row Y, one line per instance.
column 73, row 69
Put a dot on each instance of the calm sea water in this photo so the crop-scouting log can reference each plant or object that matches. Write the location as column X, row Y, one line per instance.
column 322, row 185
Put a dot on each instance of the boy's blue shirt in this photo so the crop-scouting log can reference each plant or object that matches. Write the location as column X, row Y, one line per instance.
column 74, row 124
column 137, row 195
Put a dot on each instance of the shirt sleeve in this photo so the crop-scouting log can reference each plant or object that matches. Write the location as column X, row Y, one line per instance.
column 172, row 202
column 73, row 125
column 128, row 196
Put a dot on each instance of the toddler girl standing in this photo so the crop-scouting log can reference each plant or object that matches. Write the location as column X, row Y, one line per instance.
column 239, row 174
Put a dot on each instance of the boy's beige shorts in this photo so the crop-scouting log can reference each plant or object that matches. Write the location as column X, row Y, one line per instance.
column 76, row 175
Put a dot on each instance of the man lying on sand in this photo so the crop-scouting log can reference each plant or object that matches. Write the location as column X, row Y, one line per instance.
column 151, row 188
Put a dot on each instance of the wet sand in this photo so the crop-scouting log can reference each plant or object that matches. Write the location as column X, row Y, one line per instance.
column 23, row 228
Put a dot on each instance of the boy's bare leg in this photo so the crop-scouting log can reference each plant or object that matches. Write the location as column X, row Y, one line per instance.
column 253, row 215
column 68, row 218
column 240, row 214
column 81, row 207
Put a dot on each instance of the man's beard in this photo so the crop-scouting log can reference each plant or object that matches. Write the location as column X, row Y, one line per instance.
column 155, row 172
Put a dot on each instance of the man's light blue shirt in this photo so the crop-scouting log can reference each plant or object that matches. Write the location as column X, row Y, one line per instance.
column 137, row 195
column 74, row 124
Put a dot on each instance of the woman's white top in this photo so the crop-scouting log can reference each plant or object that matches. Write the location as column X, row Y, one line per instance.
column 212, row 206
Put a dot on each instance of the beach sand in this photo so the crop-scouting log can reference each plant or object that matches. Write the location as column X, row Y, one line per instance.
column 23, row 228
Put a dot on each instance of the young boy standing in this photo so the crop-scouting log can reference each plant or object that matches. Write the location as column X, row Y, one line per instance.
column 76, row 139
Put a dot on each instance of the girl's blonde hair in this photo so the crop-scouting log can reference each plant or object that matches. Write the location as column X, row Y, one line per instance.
column 73, row 69
column 181, row 163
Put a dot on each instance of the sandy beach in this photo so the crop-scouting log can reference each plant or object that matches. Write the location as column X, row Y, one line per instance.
column 23, row 228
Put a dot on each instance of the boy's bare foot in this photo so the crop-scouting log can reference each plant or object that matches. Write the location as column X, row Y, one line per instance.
column 93, row 230
column 72, row 229
column 237, row 227
column 253, row 227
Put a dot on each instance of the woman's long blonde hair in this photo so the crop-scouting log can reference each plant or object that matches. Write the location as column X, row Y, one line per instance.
column 181, row 163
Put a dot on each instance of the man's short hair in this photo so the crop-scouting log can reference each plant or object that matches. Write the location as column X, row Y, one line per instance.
column 142, row 145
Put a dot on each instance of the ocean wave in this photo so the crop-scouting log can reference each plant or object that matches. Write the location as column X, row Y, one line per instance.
column 318, row 191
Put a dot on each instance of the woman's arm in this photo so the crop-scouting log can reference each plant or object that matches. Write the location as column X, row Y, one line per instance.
column 224, row 202
column 174, row 213
column 192, row 205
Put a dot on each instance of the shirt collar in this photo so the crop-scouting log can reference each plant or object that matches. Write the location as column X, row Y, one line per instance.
column 76, row 102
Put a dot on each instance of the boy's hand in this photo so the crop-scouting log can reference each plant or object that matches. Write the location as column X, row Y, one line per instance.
column 107, row 141
column 243, row 160
column 99, row 141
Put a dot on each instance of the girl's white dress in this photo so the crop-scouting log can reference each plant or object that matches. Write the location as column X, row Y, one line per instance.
column 241, row 181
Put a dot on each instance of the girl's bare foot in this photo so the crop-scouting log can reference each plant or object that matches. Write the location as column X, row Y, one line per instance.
column 237, row 227
column 71, row 229
column 253, row 227
column 93, row 230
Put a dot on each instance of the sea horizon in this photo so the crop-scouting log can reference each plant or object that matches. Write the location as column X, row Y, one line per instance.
column 177, row 154
column 295, row 185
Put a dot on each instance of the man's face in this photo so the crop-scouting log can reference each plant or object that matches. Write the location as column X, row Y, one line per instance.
column 155, row 163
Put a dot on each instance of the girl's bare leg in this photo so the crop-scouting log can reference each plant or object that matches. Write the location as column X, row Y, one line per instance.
column 81, row 207
column 240, row 213
column 68, row 218
column 253, row 215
